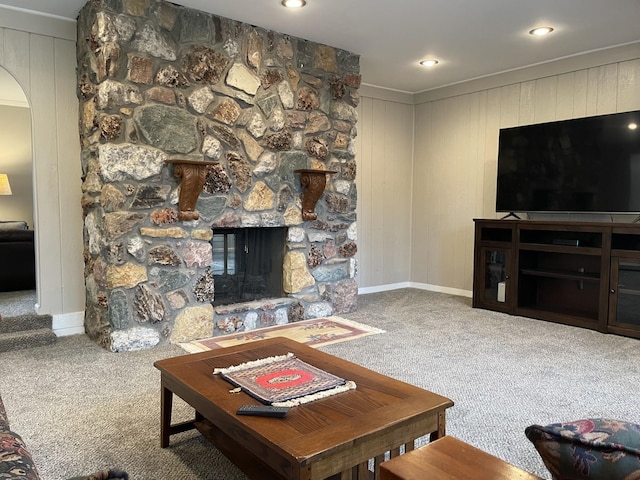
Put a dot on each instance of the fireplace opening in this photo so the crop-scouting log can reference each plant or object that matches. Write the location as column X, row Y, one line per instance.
column 247, row 263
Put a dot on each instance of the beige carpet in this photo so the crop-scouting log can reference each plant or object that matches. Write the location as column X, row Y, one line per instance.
column 316, row 332
column 81, row 408
column 17, row 303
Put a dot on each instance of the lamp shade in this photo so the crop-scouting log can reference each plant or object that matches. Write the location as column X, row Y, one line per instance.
column 5, row 188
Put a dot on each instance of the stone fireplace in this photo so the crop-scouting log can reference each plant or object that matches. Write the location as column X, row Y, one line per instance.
column 161, row 84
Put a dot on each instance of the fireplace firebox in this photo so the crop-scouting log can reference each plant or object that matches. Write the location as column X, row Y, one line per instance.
column 247, row 263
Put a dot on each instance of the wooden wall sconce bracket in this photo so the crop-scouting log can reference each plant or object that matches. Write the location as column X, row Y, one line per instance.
column 193, row 174
column 313, row 183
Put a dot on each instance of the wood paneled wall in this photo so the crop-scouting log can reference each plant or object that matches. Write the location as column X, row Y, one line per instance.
column 43, row 62
column 384, row 162
column 456, row 151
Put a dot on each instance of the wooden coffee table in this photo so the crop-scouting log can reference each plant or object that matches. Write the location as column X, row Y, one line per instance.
column 335, row 436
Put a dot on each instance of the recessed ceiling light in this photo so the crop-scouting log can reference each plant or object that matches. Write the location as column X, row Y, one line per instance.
column 541, row 31
column 294, row 3
column 633, row 126
column 429, row 63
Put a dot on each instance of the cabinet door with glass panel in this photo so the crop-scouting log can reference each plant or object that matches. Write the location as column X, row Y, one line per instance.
column 493, row 265
column 493, row 285
column 624, row 296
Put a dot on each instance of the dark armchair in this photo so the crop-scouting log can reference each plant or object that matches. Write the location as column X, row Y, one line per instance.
column 17, row 257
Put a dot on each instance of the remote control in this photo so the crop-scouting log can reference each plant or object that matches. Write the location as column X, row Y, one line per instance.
column 263, row 411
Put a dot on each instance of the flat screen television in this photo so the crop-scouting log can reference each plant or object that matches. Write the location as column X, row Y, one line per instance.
column 581, row 165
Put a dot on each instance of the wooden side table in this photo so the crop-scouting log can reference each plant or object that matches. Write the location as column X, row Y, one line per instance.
column 449, row 459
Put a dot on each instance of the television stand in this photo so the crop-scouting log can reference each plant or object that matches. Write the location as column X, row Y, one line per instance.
column 514, row 215
column 585, row 274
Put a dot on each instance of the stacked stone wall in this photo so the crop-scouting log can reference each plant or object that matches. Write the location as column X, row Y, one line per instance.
column 159, row 82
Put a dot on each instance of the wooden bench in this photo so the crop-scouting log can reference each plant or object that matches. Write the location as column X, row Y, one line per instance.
column 447, row 459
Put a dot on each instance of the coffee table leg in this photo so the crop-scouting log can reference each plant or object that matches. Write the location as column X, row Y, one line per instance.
column 442, row 428
column 166, row 404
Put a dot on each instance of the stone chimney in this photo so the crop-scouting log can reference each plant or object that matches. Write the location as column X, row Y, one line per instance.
column 159, row 83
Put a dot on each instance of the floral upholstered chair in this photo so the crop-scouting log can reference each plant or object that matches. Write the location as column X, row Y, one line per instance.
column 593, row 448
column 15, row 460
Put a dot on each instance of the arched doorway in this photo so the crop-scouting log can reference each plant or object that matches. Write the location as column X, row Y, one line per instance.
column 18, row 293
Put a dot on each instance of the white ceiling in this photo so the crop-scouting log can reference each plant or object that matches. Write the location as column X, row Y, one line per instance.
column 471, row 38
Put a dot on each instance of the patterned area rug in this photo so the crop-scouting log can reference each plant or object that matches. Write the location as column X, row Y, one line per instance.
column 284, row 380
column 315, row 332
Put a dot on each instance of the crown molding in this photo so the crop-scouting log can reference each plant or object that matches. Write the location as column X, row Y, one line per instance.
column 34, row 22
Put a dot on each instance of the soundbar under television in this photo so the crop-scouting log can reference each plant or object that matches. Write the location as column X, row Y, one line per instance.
column 581, row 165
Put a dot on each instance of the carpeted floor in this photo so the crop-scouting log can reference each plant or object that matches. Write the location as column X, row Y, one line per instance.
column 13, row 304
column 80, row 408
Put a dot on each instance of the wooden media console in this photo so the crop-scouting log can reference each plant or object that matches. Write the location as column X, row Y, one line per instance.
column 585, row 274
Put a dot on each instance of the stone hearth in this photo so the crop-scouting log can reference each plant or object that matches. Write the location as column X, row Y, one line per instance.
column 159, row 83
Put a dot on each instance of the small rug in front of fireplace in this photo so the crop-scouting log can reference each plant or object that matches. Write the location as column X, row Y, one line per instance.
column 315, row 332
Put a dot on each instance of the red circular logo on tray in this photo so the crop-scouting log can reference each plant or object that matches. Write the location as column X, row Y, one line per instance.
column 284, row 379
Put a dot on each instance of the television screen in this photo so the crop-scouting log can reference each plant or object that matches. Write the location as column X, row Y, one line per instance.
column 582, row 165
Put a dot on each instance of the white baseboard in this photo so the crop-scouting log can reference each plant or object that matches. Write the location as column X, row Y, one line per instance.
column 437, row 288
column 68, row 324
column 420, row 286
column 384, row 288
